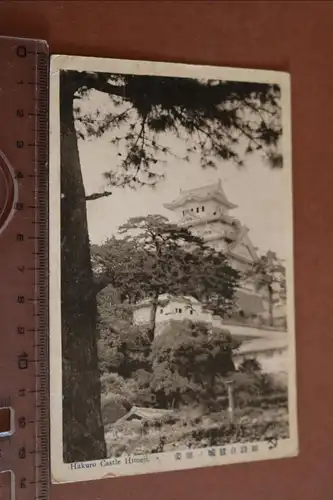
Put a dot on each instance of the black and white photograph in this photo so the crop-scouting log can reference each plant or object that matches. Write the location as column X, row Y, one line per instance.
column 172, row 336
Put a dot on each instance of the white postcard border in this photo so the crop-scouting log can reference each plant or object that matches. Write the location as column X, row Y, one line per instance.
column 97, row 469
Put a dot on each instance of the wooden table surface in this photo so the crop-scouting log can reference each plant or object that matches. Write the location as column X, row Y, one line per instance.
column 294, row 36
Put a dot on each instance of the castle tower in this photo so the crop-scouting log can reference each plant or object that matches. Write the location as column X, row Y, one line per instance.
column 206, row 212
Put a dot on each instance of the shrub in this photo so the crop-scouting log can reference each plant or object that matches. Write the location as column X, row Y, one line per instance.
column 133, row 391
column 113, row 408
column 204, row 431
column 250, row 365
column 188, row 361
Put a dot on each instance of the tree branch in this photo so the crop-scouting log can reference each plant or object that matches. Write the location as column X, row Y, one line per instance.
column 96, row 196
column 96, row 81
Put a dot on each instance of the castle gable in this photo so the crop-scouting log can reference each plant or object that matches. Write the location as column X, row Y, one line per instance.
column 201, row 194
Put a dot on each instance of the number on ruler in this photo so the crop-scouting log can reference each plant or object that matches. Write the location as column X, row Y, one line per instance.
column 22, row 361
column 23, row 482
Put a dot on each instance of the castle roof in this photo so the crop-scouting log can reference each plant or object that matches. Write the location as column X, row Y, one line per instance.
column 192, row 219
column 203, row 193
column 236, row 235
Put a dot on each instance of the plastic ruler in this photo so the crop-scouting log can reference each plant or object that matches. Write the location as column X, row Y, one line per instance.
column 24, row 431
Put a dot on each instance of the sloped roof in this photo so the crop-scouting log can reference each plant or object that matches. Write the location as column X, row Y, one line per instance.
column 202, row 193
column 144, row 413
column 242, row 236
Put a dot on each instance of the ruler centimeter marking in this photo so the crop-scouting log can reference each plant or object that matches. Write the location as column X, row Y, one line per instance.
column 24, row 267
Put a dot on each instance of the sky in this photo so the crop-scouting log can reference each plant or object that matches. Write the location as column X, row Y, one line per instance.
column 258, row 191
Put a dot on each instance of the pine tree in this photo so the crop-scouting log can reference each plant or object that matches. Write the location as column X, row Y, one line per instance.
column 211, row 117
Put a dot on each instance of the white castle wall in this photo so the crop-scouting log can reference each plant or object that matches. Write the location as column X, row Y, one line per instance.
column 208, row 207
column 274, row 361
column 176, row 310
column 267, row 346
column 141, row 315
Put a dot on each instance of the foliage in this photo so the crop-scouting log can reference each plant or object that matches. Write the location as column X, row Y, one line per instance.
column 136, row 264
column 270, row 271
column 256, row 388
column 270, row 275
column 213, row 281
column 187, row 365
column 186, row 432
column 124, row 351
column 111, row 312
column 120, row 394
column 122, row 347
column 117, row 263
column 158, row 257
column 188, row 362
column 212, row 117
column 250, row 365
column 167, row 264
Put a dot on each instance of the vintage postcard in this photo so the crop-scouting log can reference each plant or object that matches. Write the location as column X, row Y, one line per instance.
column 172, row 336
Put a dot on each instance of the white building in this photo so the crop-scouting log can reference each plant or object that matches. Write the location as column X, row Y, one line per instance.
column 173, row 308
column 266, row 345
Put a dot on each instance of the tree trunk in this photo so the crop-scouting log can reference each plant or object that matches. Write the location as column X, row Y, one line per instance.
column 83, row 432
column 270, row 306
column 152, row 319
